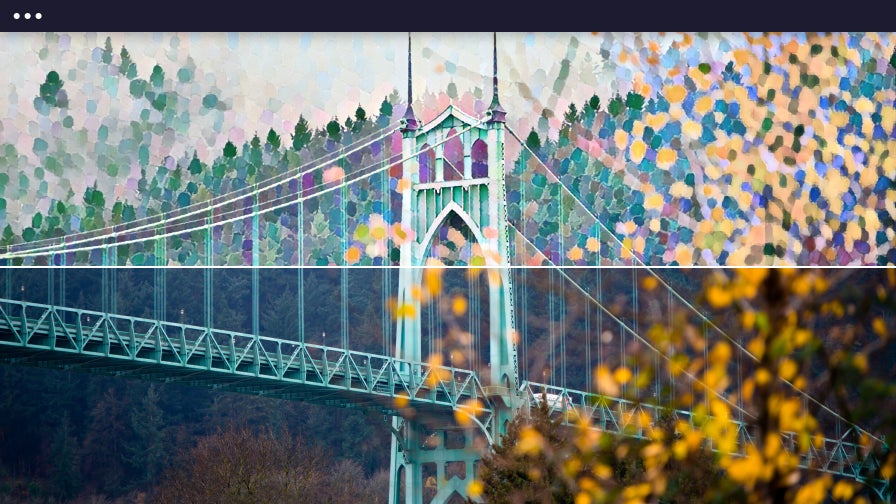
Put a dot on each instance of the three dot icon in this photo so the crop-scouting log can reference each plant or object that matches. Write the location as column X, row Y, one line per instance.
column 27, row 15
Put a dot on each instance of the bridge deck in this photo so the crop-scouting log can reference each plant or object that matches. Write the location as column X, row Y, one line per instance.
column 841, row 457
column 67, row 338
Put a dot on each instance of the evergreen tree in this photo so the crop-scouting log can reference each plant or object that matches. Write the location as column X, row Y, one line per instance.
column 103, row 444
column 360, row 114
column 65, row 477
column 157, row 79
column 634, row 101
column 107, row 51
column 334, row 130
column 147, row 451
column 616, row 106
column 127, row 67
column 533, row 141
column 229, row 150
column 301, row 135
column 572, row 114
column 195, row 166
column 273, row 139
column 50, row 89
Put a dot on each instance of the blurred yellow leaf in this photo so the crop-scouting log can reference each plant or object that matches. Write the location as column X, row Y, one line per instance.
column 763, row 377
column 583, row 498
column 801, row 337
column 378, row 232
column 650, row 282
column 860, row 361
column 718, row 296
column 787, row 369
column 458, row 305
column 636, row 493
column 680, row 449
column 352, row 255
column 880, row 328
column 801, row 284
column 603, row 471
column 405, row 310
column 622, row 375
column 843, row 490
column 432, row 278
column 752, row 276
column 814, row 491
column 592, row 245
column 531, row 441
column 888, row 470
column 605, row 382
column 720, row 354
column 474, row 489
column 747, row 470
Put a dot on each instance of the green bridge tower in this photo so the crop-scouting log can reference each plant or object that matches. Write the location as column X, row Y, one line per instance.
column 440, row 192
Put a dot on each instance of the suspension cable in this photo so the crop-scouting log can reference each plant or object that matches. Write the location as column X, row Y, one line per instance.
column 627, row 329
column 195, row 208
column 275, row 204
column 700, row 314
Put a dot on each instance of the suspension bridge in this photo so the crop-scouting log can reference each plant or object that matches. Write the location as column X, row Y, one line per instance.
column 421, row 197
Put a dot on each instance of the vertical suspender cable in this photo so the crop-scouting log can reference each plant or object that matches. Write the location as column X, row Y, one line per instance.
column 562, row 326
column 551, row 322
column 469, row 345
column 387, row 270
column 600, row 314
column 384, row 295
column 159, row 277
column 255, row 321
column 437, row 315
column 104, row 273
column 50, row 286
column 524, row 324
column 588, row 365
column 476, row 326
column 343, row 309
column 300, row 262
column 635, row 327
column 431, row 345
column 524, row 319
column 208, row 290
column 343, row 273
column 560, row 308
column 113, row 291
column 671, row 395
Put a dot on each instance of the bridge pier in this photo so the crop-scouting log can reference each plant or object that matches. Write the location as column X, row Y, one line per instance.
column 432, row 464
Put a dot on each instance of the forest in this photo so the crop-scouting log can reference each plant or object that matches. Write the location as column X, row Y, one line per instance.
column 67, row 436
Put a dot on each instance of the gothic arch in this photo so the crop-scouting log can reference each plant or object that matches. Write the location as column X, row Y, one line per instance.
column 452, row 208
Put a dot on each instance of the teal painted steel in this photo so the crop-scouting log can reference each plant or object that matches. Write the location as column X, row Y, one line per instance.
column 101, row 342
column 840, row 456
column 428, row 202
column 51, row 336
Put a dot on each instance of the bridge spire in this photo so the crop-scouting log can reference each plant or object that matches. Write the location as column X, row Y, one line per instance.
column 497, row 111
column 409, row 121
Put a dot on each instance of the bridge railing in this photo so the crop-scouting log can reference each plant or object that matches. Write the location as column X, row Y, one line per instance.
column 844, row 456
column 43, row 328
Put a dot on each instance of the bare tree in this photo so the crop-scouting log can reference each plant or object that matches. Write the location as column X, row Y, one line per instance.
column 238, row 464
